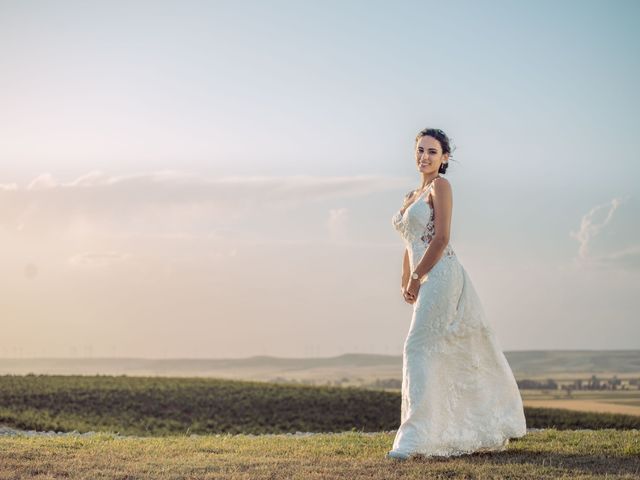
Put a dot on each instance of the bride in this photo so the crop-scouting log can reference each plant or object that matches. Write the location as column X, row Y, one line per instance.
column 459, row 394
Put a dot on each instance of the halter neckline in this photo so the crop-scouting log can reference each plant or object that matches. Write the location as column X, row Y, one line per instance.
column 428, row 187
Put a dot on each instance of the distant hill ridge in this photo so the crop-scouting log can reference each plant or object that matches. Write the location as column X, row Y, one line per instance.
column 528, row 362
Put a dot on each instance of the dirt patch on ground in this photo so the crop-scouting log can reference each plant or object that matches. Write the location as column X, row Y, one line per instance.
column 585, row 406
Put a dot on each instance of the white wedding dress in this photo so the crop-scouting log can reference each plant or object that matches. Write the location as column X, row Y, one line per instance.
column 459, row 394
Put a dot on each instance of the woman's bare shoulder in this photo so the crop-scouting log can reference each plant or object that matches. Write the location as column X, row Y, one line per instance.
column 442, row 184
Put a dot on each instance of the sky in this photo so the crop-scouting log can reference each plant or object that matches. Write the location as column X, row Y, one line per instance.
column 191, row 179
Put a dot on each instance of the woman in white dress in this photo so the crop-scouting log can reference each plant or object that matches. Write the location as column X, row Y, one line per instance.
column 459, row 394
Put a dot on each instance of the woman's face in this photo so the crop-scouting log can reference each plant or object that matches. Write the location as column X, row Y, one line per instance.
column 429, row 155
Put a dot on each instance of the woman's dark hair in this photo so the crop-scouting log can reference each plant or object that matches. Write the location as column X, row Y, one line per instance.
column 445, row 144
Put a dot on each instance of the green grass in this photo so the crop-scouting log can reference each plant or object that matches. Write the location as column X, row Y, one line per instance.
column 165, row 411
column 165, row 406
column 539, row 455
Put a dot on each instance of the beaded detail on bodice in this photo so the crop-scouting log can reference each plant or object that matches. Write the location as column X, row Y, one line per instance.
column 416, row 224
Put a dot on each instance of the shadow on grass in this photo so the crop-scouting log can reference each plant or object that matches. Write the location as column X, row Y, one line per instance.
column 593, row 464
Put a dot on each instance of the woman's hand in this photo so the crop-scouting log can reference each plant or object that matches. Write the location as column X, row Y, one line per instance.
column 407, row 298
column 411, row 291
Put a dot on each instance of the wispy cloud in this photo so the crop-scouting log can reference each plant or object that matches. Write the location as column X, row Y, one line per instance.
column 624, row 256
column 592, row 225
column 590, row 228
column 337, row 223
column 170, row 200
column 291, row 187
column 97, row 259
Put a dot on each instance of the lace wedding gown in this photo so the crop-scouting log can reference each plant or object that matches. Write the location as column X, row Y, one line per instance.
column 459, row 394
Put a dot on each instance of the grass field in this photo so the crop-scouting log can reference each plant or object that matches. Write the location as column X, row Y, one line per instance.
column 165, row 413
column 585, row 454
column 156, row 406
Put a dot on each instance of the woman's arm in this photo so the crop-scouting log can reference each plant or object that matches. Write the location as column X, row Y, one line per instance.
column 406, row 269
column 442, row 204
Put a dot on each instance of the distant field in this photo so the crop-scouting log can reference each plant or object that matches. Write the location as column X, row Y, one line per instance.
column 378, row 372
column 625, row 402
column 585, row 406
column 156, row 406
column 347, row 370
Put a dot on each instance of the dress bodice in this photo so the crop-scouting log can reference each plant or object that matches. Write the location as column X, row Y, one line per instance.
column 416, row 224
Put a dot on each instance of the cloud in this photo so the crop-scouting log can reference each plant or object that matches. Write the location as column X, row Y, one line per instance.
column 627, row 258
column 337, row 223
column 196, row 187
column 97, row 259
column 594, row 224
column 589, row 228
column 42, row 182
column 167, row 201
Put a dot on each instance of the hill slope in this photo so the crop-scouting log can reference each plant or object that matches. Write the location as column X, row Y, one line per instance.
column 365, row 366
